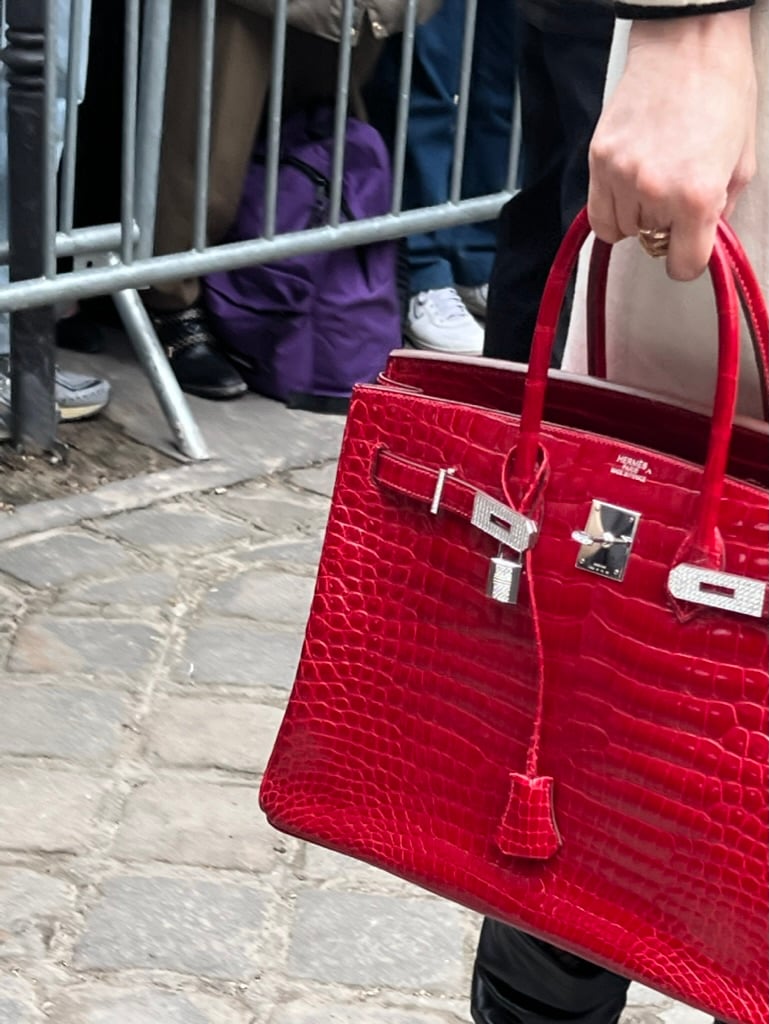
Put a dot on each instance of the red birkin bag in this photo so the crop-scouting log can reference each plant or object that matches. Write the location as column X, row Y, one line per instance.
column 534, row 678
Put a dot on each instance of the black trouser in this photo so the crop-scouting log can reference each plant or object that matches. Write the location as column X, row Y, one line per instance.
column 521, row 980
column 561, row 79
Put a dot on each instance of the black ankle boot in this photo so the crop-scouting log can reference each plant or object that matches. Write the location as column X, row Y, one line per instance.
column 191, row 349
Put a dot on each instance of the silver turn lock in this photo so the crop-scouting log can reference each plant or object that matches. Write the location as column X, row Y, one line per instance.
column 513, row 531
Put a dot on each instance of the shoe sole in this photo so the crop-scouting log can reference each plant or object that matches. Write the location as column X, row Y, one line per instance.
column 80, row 412
column 421, row 347
column 217, row 394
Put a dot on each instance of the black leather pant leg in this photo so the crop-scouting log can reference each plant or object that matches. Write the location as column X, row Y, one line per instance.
column 522, row 980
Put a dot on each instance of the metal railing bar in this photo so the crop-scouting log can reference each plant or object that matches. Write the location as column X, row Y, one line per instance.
column 155, row 33
column 203, row 149
column 49, row 136
column 69, row 155
column 465, row 76
column 81, row 242
column 515, row 141
column 340, row 112
column 402, row 114
column 274, row 118
column 105, row 281
column 130, row 96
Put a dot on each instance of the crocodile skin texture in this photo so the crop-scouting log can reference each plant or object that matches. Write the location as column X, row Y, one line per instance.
column 408, row 738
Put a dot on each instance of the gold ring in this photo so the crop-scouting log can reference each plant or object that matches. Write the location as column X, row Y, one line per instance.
column 655, row 241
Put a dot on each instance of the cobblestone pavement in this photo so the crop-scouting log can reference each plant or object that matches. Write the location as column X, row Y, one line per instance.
column 147, row 655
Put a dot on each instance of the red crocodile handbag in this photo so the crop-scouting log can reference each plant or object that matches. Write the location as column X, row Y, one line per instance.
column 534, row 678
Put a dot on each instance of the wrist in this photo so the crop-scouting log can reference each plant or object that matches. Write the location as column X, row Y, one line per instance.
column 720, row 32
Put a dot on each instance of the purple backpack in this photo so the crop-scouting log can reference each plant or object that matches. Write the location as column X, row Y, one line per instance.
column 307, row 328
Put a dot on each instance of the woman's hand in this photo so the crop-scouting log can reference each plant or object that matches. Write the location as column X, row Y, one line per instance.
column 675, row 144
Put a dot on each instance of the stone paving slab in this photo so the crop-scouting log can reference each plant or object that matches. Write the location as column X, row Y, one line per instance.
column 30, row 904
column 60, row 644
column 243, row 654
column 336, row 1014
column 184, row 822
column 211, row 733
column 47, row 810
column 64, row 722
column 280, row 513
column 65, row 556
column 205, row 929
column 367, row 940
column 139, row 588
column 95, row 1004
column 169, row 528
column 17, row 1002
column 264, row 596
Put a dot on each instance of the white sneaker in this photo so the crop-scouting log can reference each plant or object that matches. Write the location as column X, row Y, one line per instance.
column 438, row 321
column 475, row 297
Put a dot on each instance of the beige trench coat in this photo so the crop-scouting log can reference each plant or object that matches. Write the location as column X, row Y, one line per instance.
column 662, row 334
column 324, row 17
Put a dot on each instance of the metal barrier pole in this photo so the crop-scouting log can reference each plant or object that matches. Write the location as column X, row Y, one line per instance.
column 33, row 408
column 155, row 31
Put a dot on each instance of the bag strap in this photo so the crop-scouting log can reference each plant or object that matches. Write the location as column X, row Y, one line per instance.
column 704, row 546
column 748, row 289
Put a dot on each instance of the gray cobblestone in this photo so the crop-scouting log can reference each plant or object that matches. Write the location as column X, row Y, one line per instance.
column 48, row 810
column 50, row 721
column 320, row 864
column 142, row 588
column 278, row 512
column 30, row 902
column 53, row 644
column 103, row 1005
column 199, row 928
column 167, row 528
column 300, row 1013
column 216, row 733
column 265, row 596
column 17, row 1002
column 366, row 940
column 54, row 560
column 183, row 822
column 319, row 479
column 302, row 555
column 244, row 655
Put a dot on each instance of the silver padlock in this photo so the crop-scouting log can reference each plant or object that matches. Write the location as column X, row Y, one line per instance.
column 504, row 580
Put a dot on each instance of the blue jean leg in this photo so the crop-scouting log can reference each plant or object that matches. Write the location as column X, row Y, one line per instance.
column 489, row 126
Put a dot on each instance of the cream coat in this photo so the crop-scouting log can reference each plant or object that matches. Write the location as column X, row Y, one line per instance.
column 324, row 17
column 661, row 335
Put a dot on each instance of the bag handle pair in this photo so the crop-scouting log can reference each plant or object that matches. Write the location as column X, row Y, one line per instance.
column 748, row 289
column 705, row 546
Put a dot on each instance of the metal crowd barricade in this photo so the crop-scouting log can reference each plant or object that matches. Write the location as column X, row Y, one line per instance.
column 117, row 259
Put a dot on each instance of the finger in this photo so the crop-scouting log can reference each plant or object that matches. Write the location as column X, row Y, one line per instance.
column 743, row 174
column 600, row 204
column 691, row 246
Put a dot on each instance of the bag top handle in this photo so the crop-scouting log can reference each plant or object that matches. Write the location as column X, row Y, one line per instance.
column 748, row 289
column 705, row 540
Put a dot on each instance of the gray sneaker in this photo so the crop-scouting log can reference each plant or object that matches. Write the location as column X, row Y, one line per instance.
column 78, row 396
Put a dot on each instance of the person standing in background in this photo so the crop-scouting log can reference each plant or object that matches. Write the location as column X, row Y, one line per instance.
column 77, row 395
column 563, row 51
column 448, row 270
column 684, row 129
column 242, row 62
